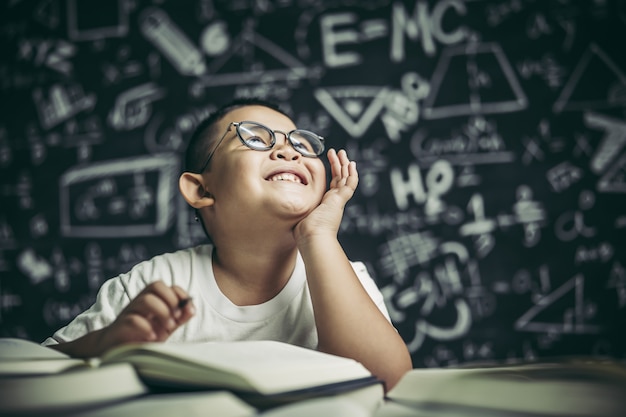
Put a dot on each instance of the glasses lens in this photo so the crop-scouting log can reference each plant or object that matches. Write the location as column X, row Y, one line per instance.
column 255, row 136
column 307, row 143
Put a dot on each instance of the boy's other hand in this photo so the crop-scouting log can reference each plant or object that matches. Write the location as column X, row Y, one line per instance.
column 326, row 217
column 152, row 316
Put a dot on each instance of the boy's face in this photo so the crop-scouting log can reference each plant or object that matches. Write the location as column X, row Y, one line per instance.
column 263, row 184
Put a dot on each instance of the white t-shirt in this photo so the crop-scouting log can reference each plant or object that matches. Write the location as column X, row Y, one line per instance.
column 288, row 317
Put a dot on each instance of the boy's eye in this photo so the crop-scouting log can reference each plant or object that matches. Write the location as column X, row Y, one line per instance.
column 256, row 141
column 302, row 145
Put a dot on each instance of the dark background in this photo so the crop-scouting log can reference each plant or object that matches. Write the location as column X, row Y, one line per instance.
column 490, row 138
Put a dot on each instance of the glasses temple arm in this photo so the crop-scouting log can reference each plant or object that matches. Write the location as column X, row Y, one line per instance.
column 206, row 164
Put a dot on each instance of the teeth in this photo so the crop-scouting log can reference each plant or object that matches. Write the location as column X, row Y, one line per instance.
column 285, row 177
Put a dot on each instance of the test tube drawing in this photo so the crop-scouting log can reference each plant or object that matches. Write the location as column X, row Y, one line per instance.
column 157, row 27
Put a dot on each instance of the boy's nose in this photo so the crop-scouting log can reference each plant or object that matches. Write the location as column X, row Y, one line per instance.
column 283, row 148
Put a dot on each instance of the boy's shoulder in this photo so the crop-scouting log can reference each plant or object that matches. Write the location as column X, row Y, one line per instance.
column 198, row 250
column 178, row 267
column 202, row 251
column 181, row 258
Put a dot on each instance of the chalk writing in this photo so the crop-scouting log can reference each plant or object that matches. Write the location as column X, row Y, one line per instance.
column 489, row 136
column 143, row 208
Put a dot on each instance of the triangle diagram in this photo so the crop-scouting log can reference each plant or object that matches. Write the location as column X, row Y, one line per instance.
column 614, row 180
column 560, row 312
column 355, row 107
column 596, row 82
column 253, row 58
column 617, row 277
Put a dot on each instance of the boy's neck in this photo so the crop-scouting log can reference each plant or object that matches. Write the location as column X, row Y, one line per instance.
column 253, row 277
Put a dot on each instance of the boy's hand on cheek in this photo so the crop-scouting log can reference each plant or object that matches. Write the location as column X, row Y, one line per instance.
column 326, row 218
column 152, row 316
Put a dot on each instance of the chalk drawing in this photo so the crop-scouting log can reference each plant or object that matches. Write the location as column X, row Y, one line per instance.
column 64, row 101
column 596, row 83
column 215, row 39
column 480, row 225
column 574, row 315
column 613, row 142
column 354, row 107
column 460, row 327
column 477, row 142
column 120, row 198
column 571, row 224
column 34, row 266
column 563, row 176
column 532, row 150
column 92, row 21
column 8, row 300
column 425, row 26
column 460, row 73
column 401, row 111
column 406, row 250
column 172, row 42
column 278, row 64
column 124, row 67
column 617, row 280
column 438, row 182
column 167, row 134
column 614, row 180
column 371, row 161
column 133, row 107
column 530, row 214
column 373, row 221
column 602, row 252
column 547, row 67
column 56, row 54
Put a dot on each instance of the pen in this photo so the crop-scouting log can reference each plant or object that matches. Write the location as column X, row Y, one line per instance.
column 183, row 303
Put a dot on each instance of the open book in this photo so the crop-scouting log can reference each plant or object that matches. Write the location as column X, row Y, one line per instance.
column 261, row 372
column 24, row 357
column 37, row 379
column 567, row 387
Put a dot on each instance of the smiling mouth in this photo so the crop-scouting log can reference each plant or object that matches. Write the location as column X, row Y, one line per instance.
column 285, row 176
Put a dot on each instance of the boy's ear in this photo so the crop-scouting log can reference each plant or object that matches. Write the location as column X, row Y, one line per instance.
column 191, row 186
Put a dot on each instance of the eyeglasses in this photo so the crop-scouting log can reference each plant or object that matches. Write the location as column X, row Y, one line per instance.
column 261, row 138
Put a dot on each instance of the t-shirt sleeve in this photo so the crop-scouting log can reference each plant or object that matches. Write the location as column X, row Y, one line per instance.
column 113, row 296
column 370, row 286
column 116, row 293
column 110, row 301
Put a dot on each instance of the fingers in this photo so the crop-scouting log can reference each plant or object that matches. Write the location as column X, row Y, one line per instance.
column 155, row 313
column 343, row 171
column 184, row 307
column 131, row 328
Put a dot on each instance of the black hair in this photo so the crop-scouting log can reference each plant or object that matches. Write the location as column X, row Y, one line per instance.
column 201, row 139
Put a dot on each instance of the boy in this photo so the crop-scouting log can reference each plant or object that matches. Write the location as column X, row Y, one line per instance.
column 275, row 269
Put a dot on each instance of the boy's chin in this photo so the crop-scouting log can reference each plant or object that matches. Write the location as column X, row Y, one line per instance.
column 297, row 208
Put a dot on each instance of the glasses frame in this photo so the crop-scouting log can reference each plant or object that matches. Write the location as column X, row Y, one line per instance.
column 267, row 148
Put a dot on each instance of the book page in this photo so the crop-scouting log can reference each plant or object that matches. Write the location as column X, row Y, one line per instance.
column 13, row 349
column 267, row 366
column 536, row 389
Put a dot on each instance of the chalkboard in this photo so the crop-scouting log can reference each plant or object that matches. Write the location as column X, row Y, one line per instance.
column 490, row 138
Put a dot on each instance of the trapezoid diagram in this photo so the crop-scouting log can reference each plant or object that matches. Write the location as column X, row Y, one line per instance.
column 473, row 79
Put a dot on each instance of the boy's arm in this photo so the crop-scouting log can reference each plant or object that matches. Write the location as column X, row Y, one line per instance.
column 348, row 321
column 152, row 316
